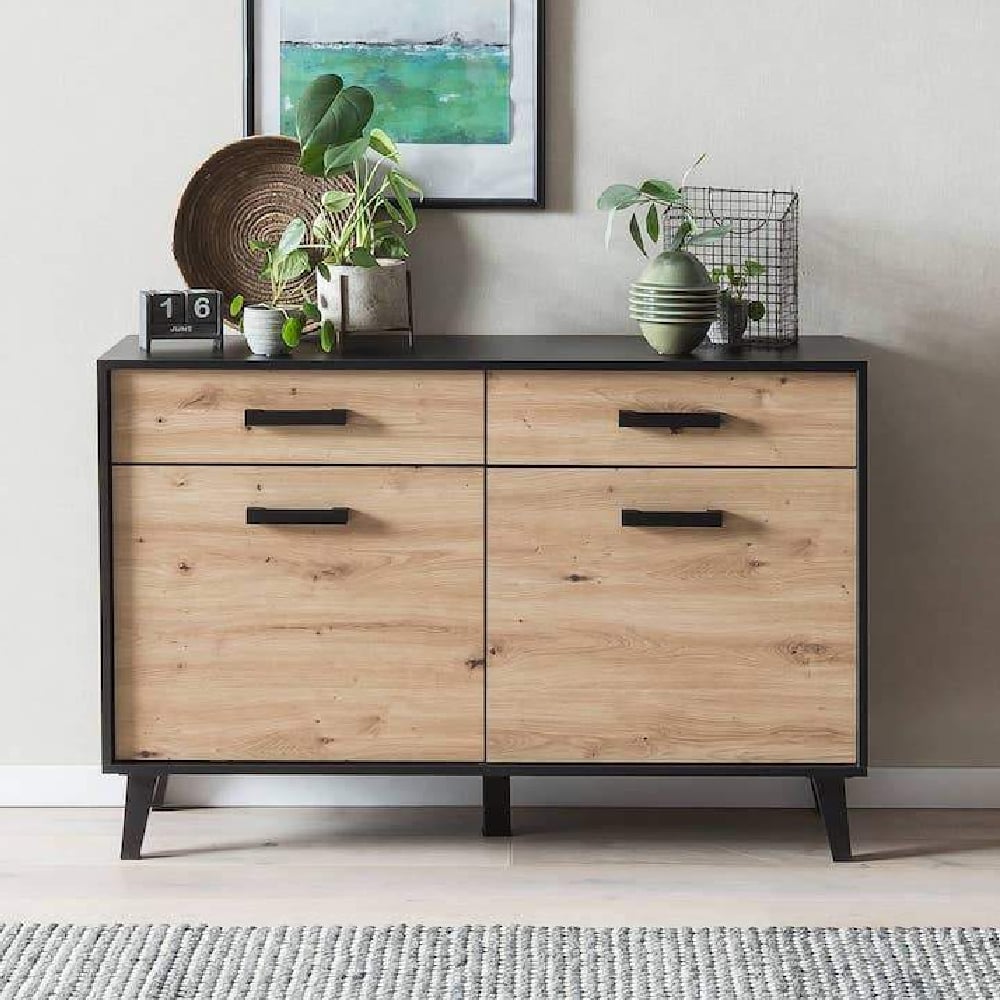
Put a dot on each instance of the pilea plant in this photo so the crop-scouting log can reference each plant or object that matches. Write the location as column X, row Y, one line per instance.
column 285, row 262
column 733, row 281
column 650, row 203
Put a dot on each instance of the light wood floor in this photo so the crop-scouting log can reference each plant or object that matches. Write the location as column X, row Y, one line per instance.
column 580, row 867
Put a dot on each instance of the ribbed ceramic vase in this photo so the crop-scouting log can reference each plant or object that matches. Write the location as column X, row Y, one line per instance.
column 376, row 297
column 262, row 330
column 676, row 269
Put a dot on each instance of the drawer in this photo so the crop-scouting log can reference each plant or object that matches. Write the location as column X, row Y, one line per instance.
column 675, row 644
column 239, row 641
column 610, row 418
column 389, row 417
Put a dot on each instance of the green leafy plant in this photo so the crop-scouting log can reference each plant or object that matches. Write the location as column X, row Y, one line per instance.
column 651, row 202
column 356, row 227
column 284, row 262
column 733, row 282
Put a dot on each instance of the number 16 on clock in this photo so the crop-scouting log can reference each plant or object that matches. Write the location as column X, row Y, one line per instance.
column 189, row 315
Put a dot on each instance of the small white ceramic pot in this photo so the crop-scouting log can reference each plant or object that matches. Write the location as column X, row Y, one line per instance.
column 376, row 299
column 262, row 329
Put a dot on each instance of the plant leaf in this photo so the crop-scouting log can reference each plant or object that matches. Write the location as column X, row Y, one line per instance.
column 291, row 331
column 236, row 306
column 291, row 267
column 310, row 312
column 292, row 237
column 636, row 232
column 337, row 201
column 362, row 257
column 260, row 245
column 321, row 227
column 661, row 190
column 323, row 270
column 327, row 336
column 710, row 235
column 395, row 214
column 618, row 197
column 410, row 183
column 653, row 223
column 383, row 144
column 340, row 159
column 403, row 200
column 343, row 123
column 682, row 235
column 392, row 245
column 314, row 103
column 754, row 269
column 757, row 311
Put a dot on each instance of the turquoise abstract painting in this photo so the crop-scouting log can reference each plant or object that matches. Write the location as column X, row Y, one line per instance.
column 440, row 70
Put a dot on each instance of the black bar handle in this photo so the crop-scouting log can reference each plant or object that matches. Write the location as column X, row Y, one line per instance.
column 271, row 515
column 295, row 418
column 672, row 518
column 672, row 421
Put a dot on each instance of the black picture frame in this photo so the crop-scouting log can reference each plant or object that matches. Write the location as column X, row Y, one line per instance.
column 537, row 201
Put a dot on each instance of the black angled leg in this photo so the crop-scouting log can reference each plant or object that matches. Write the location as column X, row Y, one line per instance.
column 160, row 793
column 496, row 806
column 815, row 795
column 139, row 794
column 831, row 800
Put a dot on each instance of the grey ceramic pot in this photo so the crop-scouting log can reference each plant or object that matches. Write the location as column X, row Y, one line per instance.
column 262, row 330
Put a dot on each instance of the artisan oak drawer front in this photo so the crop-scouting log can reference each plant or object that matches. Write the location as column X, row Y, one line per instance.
column 665, row 615
column 672, row 418
column 288, row 614
column 337, row 417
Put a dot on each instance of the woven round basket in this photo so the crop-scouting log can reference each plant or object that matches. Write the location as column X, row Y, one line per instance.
column 249, row 190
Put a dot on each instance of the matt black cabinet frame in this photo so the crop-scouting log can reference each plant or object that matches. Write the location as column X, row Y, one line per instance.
column 147, row 779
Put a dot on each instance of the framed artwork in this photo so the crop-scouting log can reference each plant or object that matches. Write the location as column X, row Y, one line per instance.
column 459, row 84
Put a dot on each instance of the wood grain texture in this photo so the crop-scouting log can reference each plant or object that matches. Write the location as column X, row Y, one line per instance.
column 395, row 417
column 611, row 644
column 571, row 418
column 257, row 643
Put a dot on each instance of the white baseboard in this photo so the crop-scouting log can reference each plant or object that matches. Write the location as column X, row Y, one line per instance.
column 885, row 787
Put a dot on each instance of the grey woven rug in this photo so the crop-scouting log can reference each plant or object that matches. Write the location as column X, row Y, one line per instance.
column 426, row 963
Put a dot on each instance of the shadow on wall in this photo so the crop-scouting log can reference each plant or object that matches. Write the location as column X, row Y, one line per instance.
column 560, row 145
column 934, row 333
column 445, row 298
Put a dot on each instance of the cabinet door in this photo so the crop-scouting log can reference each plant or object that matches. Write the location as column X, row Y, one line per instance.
column 672, row 640
column 298, row 642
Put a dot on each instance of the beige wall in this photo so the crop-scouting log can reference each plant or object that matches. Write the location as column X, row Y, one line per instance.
column 882, row 115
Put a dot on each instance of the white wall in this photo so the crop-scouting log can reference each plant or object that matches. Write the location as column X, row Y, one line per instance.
column 882, row 114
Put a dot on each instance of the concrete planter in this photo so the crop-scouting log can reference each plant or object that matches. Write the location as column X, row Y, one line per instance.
column 377, row 298
column 262, row 330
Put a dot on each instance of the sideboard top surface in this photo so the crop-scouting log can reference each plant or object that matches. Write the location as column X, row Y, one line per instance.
column 501, row 351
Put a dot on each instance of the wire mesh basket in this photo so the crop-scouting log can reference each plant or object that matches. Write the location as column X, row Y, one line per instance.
column 764, row 228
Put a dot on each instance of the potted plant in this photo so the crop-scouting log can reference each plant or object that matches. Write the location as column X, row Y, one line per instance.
column 271, row 327
column 735, row 310
column 674, row 300
column 361, row 234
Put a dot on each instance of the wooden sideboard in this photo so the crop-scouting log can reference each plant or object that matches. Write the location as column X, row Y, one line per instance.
column 494, row 556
